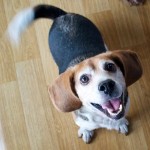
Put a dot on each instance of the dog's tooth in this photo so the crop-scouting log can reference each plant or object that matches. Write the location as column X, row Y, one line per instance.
column 120, row 108
column 114, row 114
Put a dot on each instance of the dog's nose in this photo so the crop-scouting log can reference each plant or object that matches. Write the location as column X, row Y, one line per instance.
column 107, row 86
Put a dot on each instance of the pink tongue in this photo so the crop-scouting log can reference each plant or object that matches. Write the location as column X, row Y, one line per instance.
column 112, row 105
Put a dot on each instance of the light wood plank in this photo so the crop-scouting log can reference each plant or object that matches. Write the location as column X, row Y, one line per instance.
column 95, row 6
column 12, row 118
column 7, row 66
column 29, row 73
column 108, row 30
column 128, row 24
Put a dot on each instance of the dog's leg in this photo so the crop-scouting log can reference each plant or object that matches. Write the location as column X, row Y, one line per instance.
column 120, row 125
column 86, row 135
column 86, row 130
column 87, row 125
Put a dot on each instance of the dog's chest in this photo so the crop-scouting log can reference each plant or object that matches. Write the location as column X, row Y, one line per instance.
column 86, row 118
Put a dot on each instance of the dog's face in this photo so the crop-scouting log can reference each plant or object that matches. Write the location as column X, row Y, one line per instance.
column 100, row 85
column 98, row 82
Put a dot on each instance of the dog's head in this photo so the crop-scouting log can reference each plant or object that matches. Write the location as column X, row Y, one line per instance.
column 99, row 83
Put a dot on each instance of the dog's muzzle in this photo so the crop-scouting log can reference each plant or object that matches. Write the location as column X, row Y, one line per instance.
column 113, row 108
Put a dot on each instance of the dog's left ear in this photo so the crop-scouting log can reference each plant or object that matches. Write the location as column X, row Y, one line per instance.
column 62, row 92
column 129, row 64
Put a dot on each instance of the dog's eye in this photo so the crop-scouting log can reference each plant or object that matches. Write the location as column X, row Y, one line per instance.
column 110, row 67
column 84, row 79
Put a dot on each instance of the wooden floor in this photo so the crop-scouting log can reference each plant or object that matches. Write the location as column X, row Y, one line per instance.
column 28, row 120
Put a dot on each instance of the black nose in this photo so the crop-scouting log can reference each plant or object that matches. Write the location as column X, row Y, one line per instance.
column 107, row 86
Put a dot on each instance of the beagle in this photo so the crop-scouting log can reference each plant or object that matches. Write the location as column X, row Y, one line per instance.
column 93, row 81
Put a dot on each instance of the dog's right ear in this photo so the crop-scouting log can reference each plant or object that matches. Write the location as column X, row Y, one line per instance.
column 62, row 92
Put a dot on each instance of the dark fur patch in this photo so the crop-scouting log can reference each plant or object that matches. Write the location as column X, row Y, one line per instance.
column 47, row 11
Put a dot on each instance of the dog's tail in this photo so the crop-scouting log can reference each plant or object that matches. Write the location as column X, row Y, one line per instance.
column 24, row 18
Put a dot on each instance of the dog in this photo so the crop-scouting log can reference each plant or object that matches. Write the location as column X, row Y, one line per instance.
column 93, row 81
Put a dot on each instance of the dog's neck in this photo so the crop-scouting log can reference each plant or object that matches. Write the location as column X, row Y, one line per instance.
column 80, row 59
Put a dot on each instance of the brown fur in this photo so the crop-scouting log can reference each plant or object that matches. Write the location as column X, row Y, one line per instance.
column 62, row 92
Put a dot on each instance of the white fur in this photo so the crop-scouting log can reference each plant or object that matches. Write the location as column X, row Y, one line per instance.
column 85, row 135
column 18, row 25
column 89, row 118
column 94, row 121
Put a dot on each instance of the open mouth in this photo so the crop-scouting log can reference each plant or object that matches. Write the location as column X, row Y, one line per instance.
column 114, row 108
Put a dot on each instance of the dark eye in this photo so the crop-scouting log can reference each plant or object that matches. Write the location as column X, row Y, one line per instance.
column 84, row 79
column 110, row 67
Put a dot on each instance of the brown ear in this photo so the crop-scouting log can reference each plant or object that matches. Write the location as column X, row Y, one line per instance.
column 62, row 92
column 129, row 64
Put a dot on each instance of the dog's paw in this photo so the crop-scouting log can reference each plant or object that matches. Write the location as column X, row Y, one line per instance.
column 86, row 135
column 123, row 126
